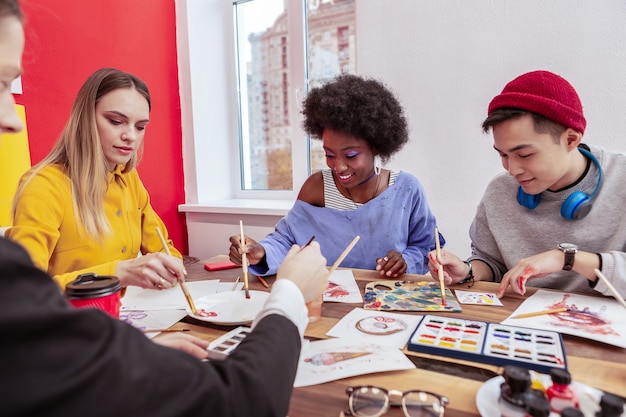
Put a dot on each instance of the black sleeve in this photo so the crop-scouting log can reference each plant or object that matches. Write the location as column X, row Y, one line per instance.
column 60, row 361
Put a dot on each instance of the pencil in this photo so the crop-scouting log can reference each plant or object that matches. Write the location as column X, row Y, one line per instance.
column 343, row 255
column 263, row 281
column 183, row 284
column 164, row 330
column 442, row 285
column 244, row 261
column 610, row 286
column 540, row 313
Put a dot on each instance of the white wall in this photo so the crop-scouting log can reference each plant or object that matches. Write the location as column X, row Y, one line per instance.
column 446, row 59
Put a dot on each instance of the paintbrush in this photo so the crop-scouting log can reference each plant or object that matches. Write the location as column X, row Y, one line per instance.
column 611, row 288
column 442, row 285
column 183, row 285
column 343, row 255
column 244, row 261
column 164, row 330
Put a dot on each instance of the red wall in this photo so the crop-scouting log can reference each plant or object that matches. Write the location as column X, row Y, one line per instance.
column 66, row 40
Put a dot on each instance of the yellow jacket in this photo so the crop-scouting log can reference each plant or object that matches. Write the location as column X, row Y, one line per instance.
column 45, row 224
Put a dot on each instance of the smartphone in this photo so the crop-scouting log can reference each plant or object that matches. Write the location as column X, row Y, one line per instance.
column 218, row 266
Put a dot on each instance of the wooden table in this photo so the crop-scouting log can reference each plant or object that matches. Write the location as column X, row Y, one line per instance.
column 592, row 363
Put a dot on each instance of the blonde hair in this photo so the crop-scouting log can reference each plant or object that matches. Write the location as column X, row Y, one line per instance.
column 78, row 151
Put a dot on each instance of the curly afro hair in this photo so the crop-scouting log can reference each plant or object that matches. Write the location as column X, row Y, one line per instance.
column 364, row 108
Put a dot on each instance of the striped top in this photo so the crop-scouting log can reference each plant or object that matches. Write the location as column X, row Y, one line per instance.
column 334, row 199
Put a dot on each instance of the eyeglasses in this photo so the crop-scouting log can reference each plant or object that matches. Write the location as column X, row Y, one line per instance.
column 370, row 401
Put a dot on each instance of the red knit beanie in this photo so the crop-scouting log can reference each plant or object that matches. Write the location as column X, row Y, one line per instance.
column 544, row 93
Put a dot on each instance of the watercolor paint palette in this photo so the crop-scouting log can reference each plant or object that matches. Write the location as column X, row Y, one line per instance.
column 491, row 343
column 221, row 347
column 408, row 296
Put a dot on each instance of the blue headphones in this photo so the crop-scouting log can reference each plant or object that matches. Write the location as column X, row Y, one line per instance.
column 576, row 206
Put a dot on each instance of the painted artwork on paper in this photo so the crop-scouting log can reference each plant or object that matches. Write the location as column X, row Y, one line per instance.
column 596, row 318
column 479, row 298
column 146, row 320
column 342, row 288
column 408, row 296
column 380, row 327
column 331, row 359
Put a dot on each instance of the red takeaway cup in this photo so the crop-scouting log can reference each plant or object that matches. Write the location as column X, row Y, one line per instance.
column 95, row 291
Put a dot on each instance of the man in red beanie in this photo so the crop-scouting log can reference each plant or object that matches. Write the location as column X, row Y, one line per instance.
column 556, row 214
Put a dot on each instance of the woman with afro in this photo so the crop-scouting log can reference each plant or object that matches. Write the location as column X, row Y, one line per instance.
column 360, row 122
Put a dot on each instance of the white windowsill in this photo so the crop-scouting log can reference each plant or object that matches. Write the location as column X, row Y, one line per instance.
column 240, row 206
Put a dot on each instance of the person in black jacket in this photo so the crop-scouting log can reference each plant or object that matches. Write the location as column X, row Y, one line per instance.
column 60, row 361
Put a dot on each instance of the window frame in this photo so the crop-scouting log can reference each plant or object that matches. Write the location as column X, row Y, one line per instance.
column 209, row 108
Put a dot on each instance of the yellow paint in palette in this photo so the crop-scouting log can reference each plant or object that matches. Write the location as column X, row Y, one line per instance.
column 469, row 348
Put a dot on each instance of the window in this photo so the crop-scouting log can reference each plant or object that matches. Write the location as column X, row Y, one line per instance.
column 275, row 61
column 220, row 175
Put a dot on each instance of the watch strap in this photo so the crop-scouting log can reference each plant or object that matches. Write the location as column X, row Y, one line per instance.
column 568, row 264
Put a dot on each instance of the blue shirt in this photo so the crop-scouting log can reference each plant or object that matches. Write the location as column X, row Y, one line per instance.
column 399, row 218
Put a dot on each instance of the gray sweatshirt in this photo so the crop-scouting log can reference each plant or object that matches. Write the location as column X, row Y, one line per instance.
column 504, row 232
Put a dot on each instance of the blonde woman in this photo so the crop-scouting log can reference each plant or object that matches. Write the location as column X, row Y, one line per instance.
column 83, row 208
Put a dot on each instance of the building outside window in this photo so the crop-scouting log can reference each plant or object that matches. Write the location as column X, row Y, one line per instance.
column 283, row 50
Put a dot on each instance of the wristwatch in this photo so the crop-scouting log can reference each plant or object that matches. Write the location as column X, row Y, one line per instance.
column 569, row 249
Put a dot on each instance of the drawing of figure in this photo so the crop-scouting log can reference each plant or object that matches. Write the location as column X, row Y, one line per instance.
column 582, row 318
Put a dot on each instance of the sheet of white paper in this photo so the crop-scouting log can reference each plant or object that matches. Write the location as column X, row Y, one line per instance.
column 171, row 299
column 379, row 327
column 342, row 288
column 331, row 359
column 146, row 320
column 596, row 318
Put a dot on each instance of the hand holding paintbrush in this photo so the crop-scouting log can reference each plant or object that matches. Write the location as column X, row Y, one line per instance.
column 442, row 285
column 244, row 260
column 183, row 285
column 315, row 306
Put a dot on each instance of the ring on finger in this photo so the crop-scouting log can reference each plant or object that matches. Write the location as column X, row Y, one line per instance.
column 385, row 259
column 159, row 285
